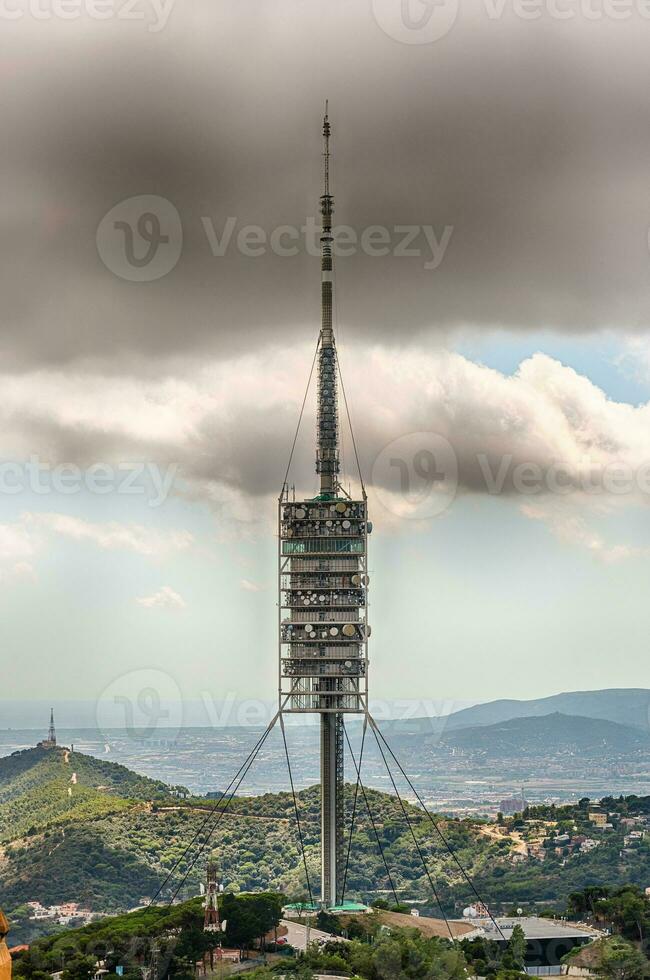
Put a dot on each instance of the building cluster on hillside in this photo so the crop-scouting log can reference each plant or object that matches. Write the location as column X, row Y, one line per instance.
column 636, row 828
column 600, row 820
column 564, row 845
column 632, row 842
column 63, row 914
column 569, row 835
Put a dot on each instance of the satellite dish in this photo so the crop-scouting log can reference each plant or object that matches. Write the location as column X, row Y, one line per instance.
column 329, row 523
column 334, row 631
column 312, row 635
column 369, row 527
column 308, row 627
column 300, row 513
column 348, row 629
column 348, row 663
column 346, row 524
column 368, row 630
column 356, row 580
column 341, row 507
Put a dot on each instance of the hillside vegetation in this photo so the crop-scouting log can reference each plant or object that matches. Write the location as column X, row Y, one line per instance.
column 39, row 787
column 113, row 839
column 111, row 859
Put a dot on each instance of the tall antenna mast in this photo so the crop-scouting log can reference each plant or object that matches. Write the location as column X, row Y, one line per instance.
column 327, row 451
column 326, row 150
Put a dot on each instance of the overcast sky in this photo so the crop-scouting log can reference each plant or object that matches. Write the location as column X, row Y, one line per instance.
column 161, row 173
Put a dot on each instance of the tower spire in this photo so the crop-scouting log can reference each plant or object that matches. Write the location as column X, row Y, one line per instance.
column 326, row 150
column 327, row 452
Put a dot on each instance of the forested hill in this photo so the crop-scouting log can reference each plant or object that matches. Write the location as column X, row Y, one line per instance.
column 78, row 829
column 108, row 838
column 39, row 786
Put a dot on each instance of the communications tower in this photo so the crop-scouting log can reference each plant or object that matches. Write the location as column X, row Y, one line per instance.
column 51, row 735
column 50, row 741
column 323, row 583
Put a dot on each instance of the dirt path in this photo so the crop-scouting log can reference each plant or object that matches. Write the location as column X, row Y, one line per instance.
column 514, row 838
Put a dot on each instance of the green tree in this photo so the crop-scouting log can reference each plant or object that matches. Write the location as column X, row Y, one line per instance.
column 79, row 967
column 516, row 952
column 621, row 960
column 250, row 917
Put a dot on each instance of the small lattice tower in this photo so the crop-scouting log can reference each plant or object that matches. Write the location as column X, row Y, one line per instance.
column 211, row 921
column 50, row 741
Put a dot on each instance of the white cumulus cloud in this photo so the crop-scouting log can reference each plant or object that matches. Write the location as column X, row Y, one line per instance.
column 112, row 536
column 164, row 598
column 546, row 431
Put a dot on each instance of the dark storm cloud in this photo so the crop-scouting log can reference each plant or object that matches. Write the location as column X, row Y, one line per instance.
column 528, row 139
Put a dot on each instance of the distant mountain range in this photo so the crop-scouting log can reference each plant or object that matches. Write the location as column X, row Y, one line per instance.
column 549, row 735
column 626, row 706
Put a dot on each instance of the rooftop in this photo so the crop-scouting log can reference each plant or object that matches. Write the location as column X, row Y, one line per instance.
column 535, row 927
column 316, row 907
column 429, row 926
